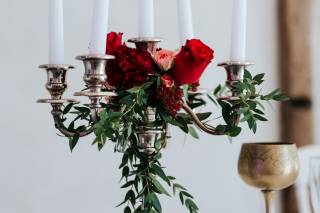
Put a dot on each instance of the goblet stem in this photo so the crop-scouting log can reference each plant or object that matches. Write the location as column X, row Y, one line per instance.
column 268, row 197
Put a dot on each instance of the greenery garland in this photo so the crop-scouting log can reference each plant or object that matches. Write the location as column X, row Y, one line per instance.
column 142, row 174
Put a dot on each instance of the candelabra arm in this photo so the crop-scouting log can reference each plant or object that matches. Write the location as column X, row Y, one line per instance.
column 56, row 114
column 208, row 129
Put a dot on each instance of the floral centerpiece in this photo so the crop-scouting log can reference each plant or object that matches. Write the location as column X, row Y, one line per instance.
column 152, row 89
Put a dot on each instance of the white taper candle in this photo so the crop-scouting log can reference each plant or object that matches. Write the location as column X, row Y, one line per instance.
column 239, row 31
column 146, row 18
column 56, row 32
column 99, row 27
column 185, row 20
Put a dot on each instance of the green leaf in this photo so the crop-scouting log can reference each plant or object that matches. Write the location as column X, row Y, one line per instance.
column 234, row 131
column 226, row 111
column 193, row 132
column 67, row 109
column 212, row 99
column 171, row 178
column 158, row 82
column 73, row 141
column 280, row 97
column 129, row 183
column 82, row 109
column 204, row 116
column 217, row 90
column 127, row 210
column 254, row 128
column 159, row 171
column 130, row 196
column 260, row 118
column 101, row 141
column 221, row 129
column 270, row 95
column 71, row 126
column 155, row 202
column 125, row 159
column 258, row 111
column 125, row 171
column 181, row 198
column 183, row 124
column 176, row 186
column 134, row 90
column 186, row 92
column 259, row 78
column 186, row 194
column 159, row 187
column 191, row 205
column 247, row 75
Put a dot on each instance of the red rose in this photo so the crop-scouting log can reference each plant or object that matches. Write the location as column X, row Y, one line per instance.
column 114, row 41
column 191, row 62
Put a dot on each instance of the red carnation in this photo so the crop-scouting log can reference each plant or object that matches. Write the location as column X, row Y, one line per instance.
column 171, row 98
column 191, row 62
column 135, row 65
column 114, row 41
column 131, row 66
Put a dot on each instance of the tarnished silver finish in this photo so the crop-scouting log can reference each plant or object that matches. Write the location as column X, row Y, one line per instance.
column 95, row 70
column 147, row 139
column 56, row 79
column 148, row 134
column 57, row 85
column 57, row 101
column 95, row 77
column 57, row 114
column 235, row 71
column 146, row 44
column 93, row 94
column 208, row 129
column 150, row 115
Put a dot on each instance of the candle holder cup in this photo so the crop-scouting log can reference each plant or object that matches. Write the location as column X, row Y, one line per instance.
column 95, row 78
column 56, row 83
column 235, row 72
column 146, row 44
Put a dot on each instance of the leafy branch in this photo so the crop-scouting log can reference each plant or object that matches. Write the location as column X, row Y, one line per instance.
column 82, row 113
column 144, row 178
column 248, row 105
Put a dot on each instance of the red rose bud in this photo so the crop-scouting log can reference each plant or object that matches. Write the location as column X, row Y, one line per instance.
column 167, row 81
column 114, row 41
column 191, row 62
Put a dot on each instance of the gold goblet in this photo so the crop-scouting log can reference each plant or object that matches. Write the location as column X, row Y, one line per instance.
column 269, row 167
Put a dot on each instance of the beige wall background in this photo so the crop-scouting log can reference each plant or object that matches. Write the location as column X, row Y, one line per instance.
column 37, row 172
